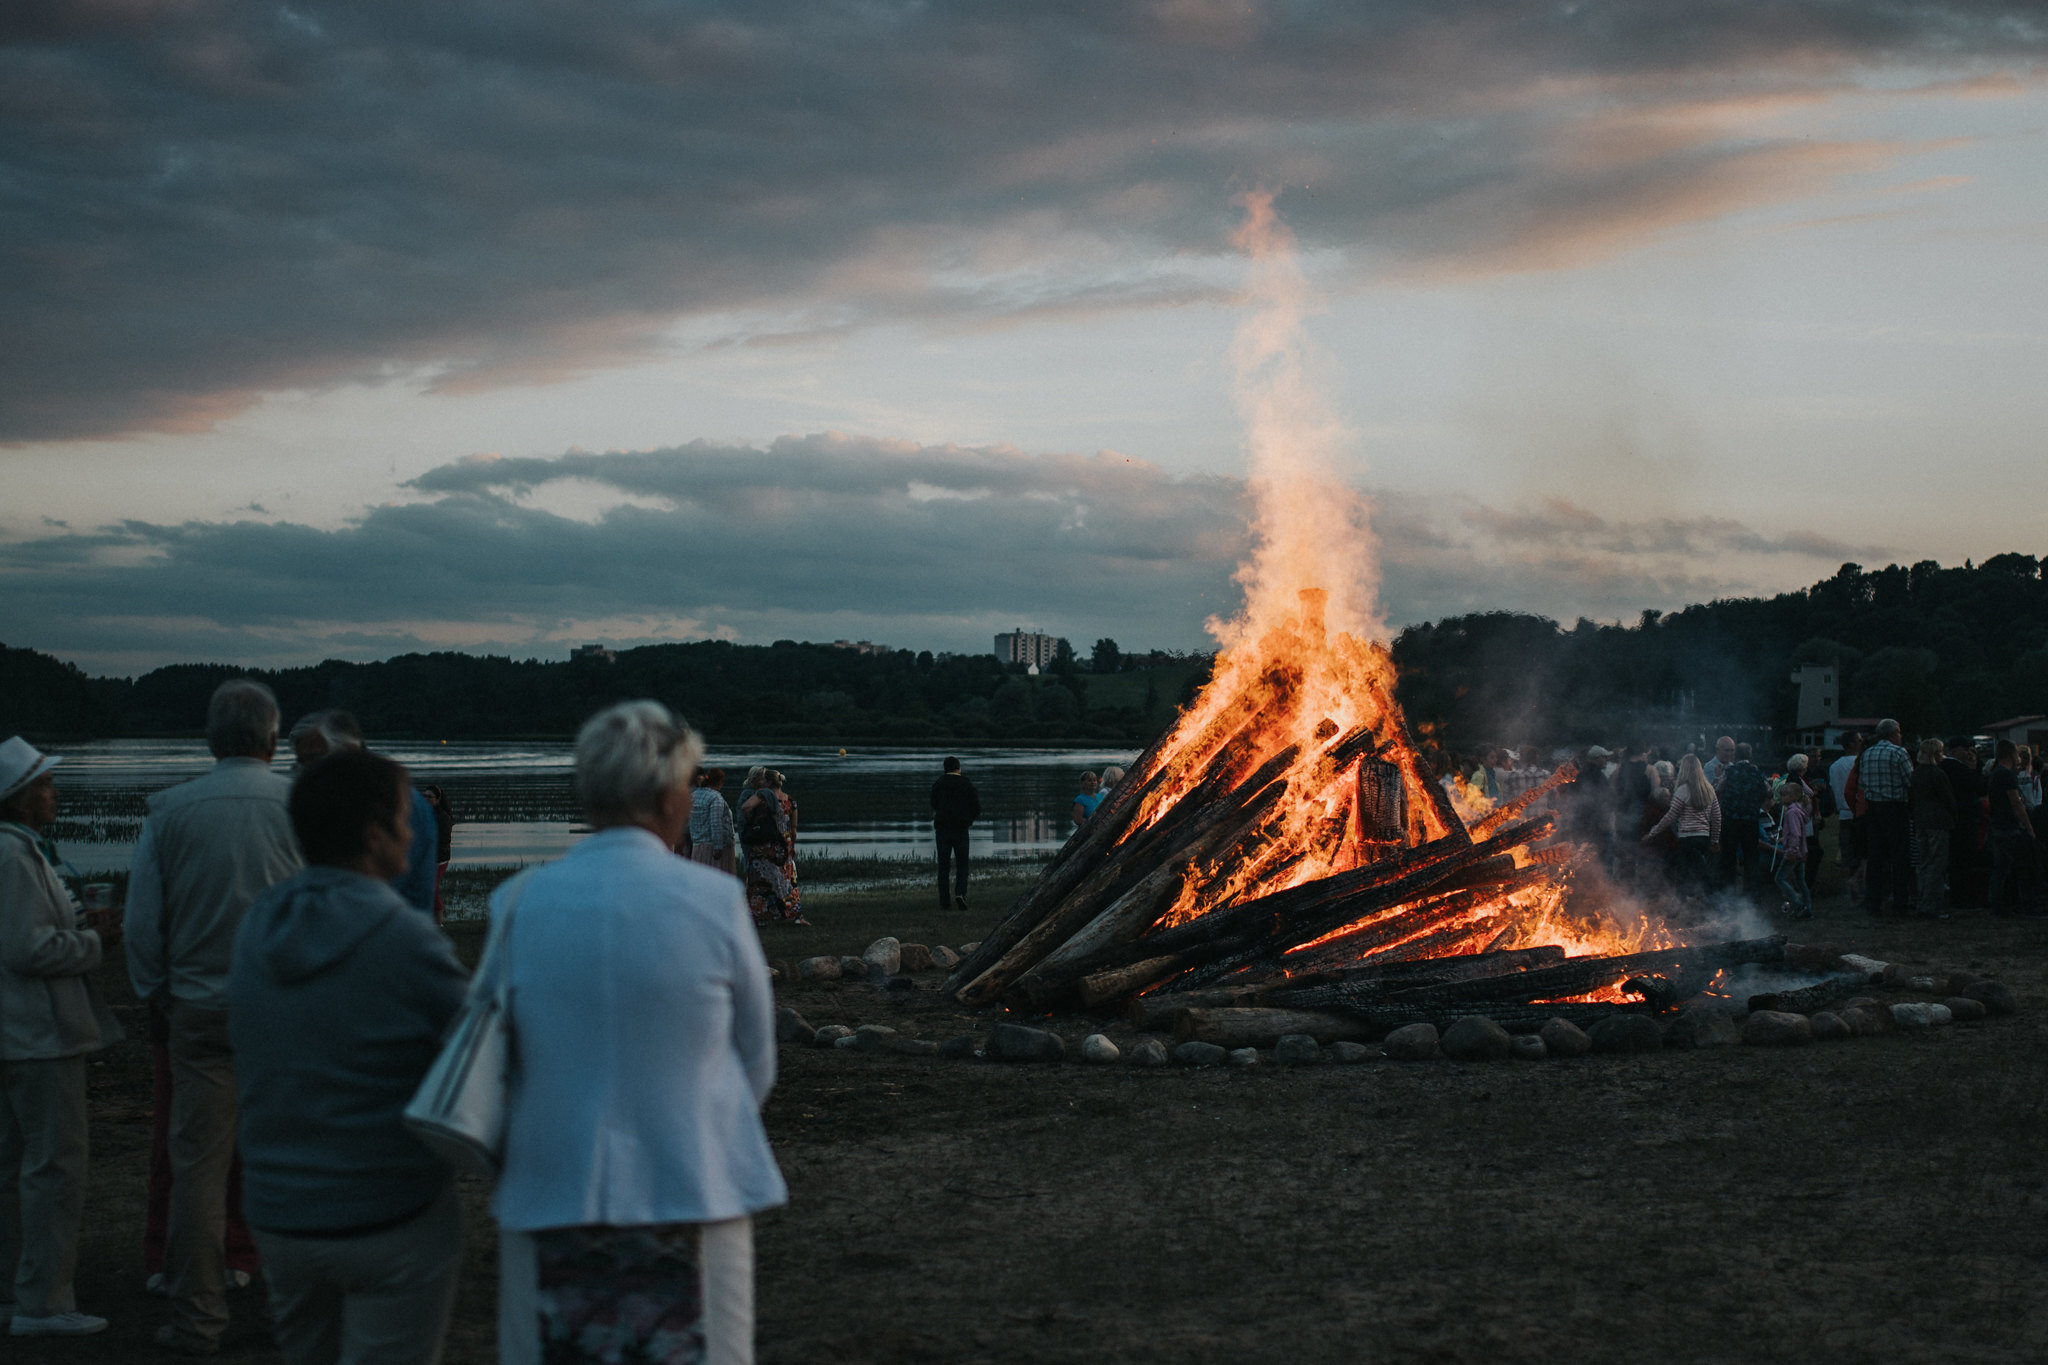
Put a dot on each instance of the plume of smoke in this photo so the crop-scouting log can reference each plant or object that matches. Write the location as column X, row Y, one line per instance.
column 1310, row 528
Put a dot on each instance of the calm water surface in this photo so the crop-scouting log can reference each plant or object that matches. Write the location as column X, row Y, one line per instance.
column 515, row 803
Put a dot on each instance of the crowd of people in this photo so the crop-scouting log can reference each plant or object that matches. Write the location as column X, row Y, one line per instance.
column 1921, row 830
column 282, row 929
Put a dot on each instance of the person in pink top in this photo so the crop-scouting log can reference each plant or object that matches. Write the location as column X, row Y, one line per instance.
column 1795, row 823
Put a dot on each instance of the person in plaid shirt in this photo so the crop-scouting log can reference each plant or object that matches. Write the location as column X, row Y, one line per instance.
column 1884, row 774
column 1743, row 790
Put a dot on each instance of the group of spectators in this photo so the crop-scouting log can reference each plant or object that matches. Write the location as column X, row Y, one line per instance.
column 1918, row 833
column 283, row 929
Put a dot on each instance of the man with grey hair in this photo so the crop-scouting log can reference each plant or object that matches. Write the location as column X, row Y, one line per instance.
column 320, row 733
column 1885, row 777
column 209, row 847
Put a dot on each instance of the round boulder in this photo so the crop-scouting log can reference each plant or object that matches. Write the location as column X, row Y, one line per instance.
column 1200, row 1054
column 1529, row 1047
column 830, row 1035
column 1776, row 1028
column 791, row 1027
column 1830, row 1028
column 961, row 1046
column 1475, row 1038
column 1297, row 1049
column 885, row 953
column 944, row 958
column 1150, row 1052
column 1994, row 996
column 914, row 957
column 1016, row 1043
column 1099, row 1050
column 1698, row 1028
column 854, row 967
column 819, row 969
column 1563, row 1038
column 1413, row 1043
column 1244, row 1056
column 1348, row 1053
column 1626, row 1033
column 1965, row 1010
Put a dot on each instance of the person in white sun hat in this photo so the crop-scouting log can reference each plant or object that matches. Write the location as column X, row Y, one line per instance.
column 50, row 1017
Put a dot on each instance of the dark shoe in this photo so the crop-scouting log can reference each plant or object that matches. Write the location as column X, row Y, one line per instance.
column 178, row 1344
column 960, row 904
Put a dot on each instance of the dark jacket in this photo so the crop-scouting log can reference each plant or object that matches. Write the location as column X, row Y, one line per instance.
column 337, row 1000
column 1933, row 800
column 954, row 803
column 1969, row 787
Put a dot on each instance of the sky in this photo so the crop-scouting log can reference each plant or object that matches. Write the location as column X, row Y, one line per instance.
column 345, row 330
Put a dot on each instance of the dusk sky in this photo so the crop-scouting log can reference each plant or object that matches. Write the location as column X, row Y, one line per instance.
column 353, row 329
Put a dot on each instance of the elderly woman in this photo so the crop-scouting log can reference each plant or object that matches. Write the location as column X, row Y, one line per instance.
column 768, row 842
column 634, row 1153
column 50, row 1017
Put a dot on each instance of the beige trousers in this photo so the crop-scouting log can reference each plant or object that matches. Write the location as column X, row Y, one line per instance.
column 202, row 1147
column 379, row 1299
column 42, row 1182
column 725, row 1260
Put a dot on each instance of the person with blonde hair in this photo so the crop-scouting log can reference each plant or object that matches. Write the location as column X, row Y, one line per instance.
column 1794, row 829
column 643, row 1022
column 1694, row 815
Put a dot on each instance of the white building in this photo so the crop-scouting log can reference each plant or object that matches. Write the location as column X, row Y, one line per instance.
column 1022, row 646
column 1820, row 699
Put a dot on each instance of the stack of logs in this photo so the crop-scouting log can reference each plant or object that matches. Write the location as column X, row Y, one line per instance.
column 1417, row 925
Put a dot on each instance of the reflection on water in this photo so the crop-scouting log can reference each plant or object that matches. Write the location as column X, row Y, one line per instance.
column 516, row 802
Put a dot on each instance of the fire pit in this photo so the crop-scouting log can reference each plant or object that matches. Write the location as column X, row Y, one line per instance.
column 1282, row 846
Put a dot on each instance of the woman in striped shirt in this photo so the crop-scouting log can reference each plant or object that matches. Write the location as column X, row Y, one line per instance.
column 1695, row 816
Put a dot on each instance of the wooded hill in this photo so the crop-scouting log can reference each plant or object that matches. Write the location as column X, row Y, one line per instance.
column 784, row 691
column 1943, row 650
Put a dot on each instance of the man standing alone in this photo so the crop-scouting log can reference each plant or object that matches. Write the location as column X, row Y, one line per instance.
column 955, row 807
column 208, row 849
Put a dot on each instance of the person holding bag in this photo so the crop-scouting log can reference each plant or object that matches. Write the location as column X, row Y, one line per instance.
column 641, row 1020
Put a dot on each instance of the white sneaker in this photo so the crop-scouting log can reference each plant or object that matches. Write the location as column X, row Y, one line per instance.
column 157, row 1285
column 237, row 1279
column 57, row 1325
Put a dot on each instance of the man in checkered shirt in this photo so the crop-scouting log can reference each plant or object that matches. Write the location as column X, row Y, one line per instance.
column 1883, row 774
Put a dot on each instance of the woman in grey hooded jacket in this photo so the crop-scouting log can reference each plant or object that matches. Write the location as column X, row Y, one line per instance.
column 337, row 1001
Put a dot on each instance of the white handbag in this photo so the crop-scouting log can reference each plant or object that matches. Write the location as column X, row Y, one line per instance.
column 458, row 1112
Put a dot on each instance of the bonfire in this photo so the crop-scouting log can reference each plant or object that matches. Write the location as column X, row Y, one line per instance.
column 1284, row 843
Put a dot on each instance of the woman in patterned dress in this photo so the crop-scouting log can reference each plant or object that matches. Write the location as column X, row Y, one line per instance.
column 768, row 844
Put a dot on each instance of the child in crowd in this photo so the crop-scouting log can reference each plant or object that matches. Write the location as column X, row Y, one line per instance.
column 1795, row 821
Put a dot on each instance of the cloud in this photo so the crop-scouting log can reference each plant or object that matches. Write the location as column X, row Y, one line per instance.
column 812, row 537
column 203, row 201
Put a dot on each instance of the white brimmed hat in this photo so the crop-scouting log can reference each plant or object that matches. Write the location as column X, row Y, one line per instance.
column 20, row 764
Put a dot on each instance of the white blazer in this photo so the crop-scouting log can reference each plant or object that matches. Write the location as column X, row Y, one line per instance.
column 643, row 1024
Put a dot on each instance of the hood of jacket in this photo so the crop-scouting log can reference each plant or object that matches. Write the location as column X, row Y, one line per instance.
column 307, row 924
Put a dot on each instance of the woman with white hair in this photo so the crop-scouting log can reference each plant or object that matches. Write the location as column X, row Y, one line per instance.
column 643, row 1024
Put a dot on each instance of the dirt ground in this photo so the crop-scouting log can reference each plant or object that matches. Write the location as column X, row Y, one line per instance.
column 1881, row 1199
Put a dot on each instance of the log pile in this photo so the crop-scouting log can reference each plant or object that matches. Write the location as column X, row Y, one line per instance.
column 1285, row 848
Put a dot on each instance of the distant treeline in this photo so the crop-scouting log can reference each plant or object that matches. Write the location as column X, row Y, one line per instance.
column 785, row 691
column 1941, row 650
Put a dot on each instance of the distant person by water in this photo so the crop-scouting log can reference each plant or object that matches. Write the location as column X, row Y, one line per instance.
column 955, row 808
column 1088, row 799
column 444, row 841
column 768, row 842
column 711, row 838
column 1112, row 777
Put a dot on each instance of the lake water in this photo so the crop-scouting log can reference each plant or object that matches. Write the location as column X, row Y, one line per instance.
column 515, row 803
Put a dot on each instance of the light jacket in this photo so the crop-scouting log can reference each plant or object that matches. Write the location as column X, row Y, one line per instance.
column 336, row 1005
column 643, row 1024
column 48, row 1007
column 209, row 848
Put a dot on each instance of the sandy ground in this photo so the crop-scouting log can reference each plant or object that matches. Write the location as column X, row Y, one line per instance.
column 1880, row 1199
